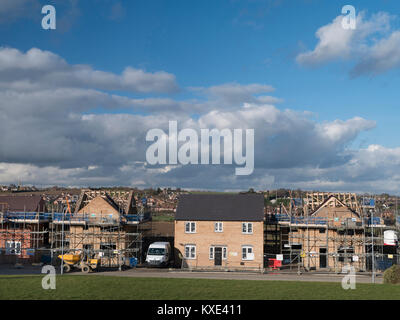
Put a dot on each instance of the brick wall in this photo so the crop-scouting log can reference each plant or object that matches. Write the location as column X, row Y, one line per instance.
column 231, row 237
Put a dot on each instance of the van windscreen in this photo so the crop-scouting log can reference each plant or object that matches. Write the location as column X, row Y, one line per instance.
column 156, row 251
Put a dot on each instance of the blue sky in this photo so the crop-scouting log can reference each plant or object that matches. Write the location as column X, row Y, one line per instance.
column 212, row 43
column 207, row 43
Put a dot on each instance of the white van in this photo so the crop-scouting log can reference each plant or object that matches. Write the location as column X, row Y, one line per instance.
column 390, row 238
column 159, row 254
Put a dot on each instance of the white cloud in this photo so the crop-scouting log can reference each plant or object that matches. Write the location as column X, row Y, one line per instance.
column 233, row 95
column 43, row 69
column 342, row 131
column 373, row 46
column 334, row 42
column 381, row 57
column 52, row 132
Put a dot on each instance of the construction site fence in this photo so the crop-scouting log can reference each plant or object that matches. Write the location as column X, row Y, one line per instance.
column 363, row 262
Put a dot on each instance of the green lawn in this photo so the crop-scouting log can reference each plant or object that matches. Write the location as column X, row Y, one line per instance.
column 111, row 287
column 163, row 217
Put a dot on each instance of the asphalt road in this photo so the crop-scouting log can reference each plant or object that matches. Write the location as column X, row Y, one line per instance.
column 177, row 274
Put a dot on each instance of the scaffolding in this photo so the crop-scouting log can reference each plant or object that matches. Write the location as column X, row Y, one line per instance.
column 310, row 242
column 114, row 242
column 39, row 237
column 23, row 236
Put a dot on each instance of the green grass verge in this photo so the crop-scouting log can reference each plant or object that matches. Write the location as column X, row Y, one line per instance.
column 163, row 218
column 112, row 287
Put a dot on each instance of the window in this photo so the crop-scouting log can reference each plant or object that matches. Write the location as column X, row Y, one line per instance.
column 13, row 247
column 190, row 227
column 345, row 253
column 247, row 253
column 107, row 246
column 247, row 227
column 212, row 250
column 108, row 249
column 190, row 251
column 156, row 252
column 218, row 227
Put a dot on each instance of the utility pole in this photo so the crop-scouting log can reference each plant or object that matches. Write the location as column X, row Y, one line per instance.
column 397, row 229
column 62, row 245
column 373, row 254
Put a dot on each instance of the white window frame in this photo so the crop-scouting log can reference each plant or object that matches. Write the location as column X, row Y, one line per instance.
column 218, row 227
column 246, row 256
column 211, row 252
column 11, row 246
column 245, row 227
column 192, row 227
column 190, row 247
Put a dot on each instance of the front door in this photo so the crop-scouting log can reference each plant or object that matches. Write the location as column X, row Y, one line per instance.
column 322, row 258
column 218, row 256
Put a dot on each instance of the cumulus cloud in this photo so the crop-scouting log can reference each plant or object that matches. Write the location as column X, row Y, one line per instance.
column 233, row 96
column 334, row 42
column 339, row 131
column 373, row 169
column 381, row 57
column 373, row 46
column 43, row 69
column 62, row 124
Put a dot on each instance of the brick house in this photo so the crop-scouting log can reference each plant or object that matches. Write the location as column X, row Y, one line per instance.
column 224, row 231
column 100, row 226
column 332, row 237
column 22, row 228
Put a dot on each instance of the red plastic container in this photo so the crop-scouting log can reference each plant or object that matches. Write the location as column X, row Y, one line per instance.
column 274, row 263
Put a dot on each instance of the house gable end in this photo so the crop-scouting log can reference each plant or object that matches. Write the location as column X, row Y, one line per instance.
column 99, row 205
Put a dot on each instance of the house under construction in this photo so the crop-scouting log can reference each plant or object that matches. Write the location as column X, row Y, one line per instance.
column 335, row 230
column 23, row 231
column 105, row 224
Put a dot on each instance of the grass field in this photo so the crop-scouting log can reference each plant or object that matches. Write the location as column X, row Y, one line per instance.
column 110, row 287
column 163, row 217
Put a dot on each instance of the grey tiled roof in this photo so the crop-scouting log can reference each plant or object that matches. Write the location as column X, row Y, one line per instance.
column 21, row 203
column 220, row 207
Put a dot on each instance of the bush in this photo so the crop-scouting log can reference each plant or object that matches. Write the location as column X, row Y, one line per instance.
column 392, row 275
